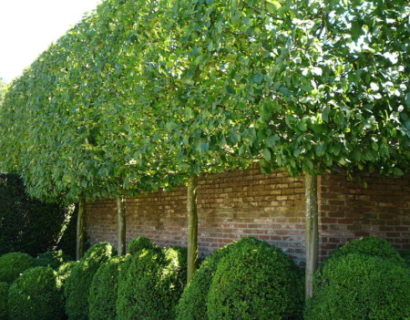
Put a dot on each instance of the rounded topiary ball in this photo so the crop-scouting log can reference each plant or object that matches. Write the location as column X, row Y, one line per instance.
column 4, row 292
column 140, row 243
column 13, row 264
column 255, row 281
column 192, row 305
column 103, row 291
column 36, row 295
column 360, row 287
column 370, row 246
column 150, row 286
column 77, row 285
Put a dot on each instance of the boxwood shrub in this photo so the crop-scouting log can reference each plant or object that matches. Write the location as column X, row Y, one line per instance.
column 140, row 243
column 77, row 285
column 360, row 287
column 371, row 246
column 4, row 292
column 103, row 291
column 255, row 281
column 151, row 285
column 192, row 305
column 13, row 264
column 36, row 295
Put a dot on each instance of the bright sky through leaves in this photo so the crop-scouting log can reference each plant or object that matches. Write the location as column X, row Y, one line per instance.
column 28, row 27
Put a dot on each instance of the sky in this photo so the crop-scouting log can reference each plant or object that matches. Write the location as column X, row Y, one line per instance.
column 28, row 27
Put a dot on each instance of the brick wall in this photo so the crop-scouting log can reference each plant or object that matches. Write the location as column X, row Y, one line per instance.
column 230, row 206
column 270, row 207
column 369, row 206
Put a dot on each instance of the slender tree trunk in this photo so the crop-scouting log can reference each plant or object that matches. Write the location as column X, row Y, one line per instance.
column 192, row 226
column 122, row 226
column 79, row 252
column 312, row 233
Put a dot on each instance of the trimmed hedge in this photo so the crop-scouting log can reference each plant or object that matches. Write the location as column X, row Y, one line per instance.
column 360, row 287
column 13, row 264
column 192, row 305
column 103, row 291
column 27, row 225
column 255, row 281
column 370, row 246
column 36, row 295
column 4, row 293
column 77, row 285
column 151, row 285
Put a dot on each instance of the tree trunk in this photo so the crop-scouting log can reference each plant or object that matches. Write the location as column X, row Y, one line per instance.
column 79, row 252
column 192, row 226
column 122, row 226
column 312, row 233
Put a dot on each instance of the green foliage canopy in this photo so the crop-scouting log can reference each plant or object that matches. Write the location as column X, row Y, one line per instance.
column 140, row 95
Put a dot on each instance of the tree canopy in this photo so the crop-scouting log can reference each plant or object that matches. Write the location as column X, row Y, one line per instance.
column 142, row 94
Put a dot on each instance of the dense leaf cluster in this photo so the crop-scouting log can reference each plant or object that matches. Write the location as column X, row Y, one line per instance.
column 4, row 293
column 151, row 284
column 78, row 281
column 360, row 287
column 36, row 295
column 369, row 246
column 103, row 290
column 247, row 279
column 142, row 94
column 256, row 281
column 13, row 264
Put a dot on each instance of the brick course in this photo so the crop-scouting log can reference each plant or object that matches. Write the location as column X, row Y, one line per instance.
column 235, row 204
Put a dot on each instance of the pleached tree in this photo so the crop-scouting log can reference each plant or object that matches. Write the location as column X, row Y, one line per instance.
column 144, row 95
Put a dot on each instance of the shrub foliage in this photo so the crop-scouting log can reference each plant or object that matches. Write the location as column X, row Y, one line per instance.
column 14, row 263
column 36, row 295
column 103, row 291
column 360, row 287
column 192, row 305
column 151, row 285
column 140, row 243
column 370, row 246
column 4, row 292
column 77, row 285
column 255, row 281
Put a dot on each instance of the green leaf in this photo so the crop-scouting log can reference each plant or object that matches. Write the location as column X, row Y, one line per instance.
column 267, row 154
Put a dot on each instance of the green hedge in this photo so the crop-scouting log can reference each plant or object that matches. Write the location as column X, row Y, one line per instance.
column 36, row 295
column 140, row 243
column 371, row 246
column 192, row 305
column 255, row 281
column 4, row 293
column 151, row 285
column 360, row 287
column 77, row 285
column 13, row 264
column 103, row 291
column 28, row 225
